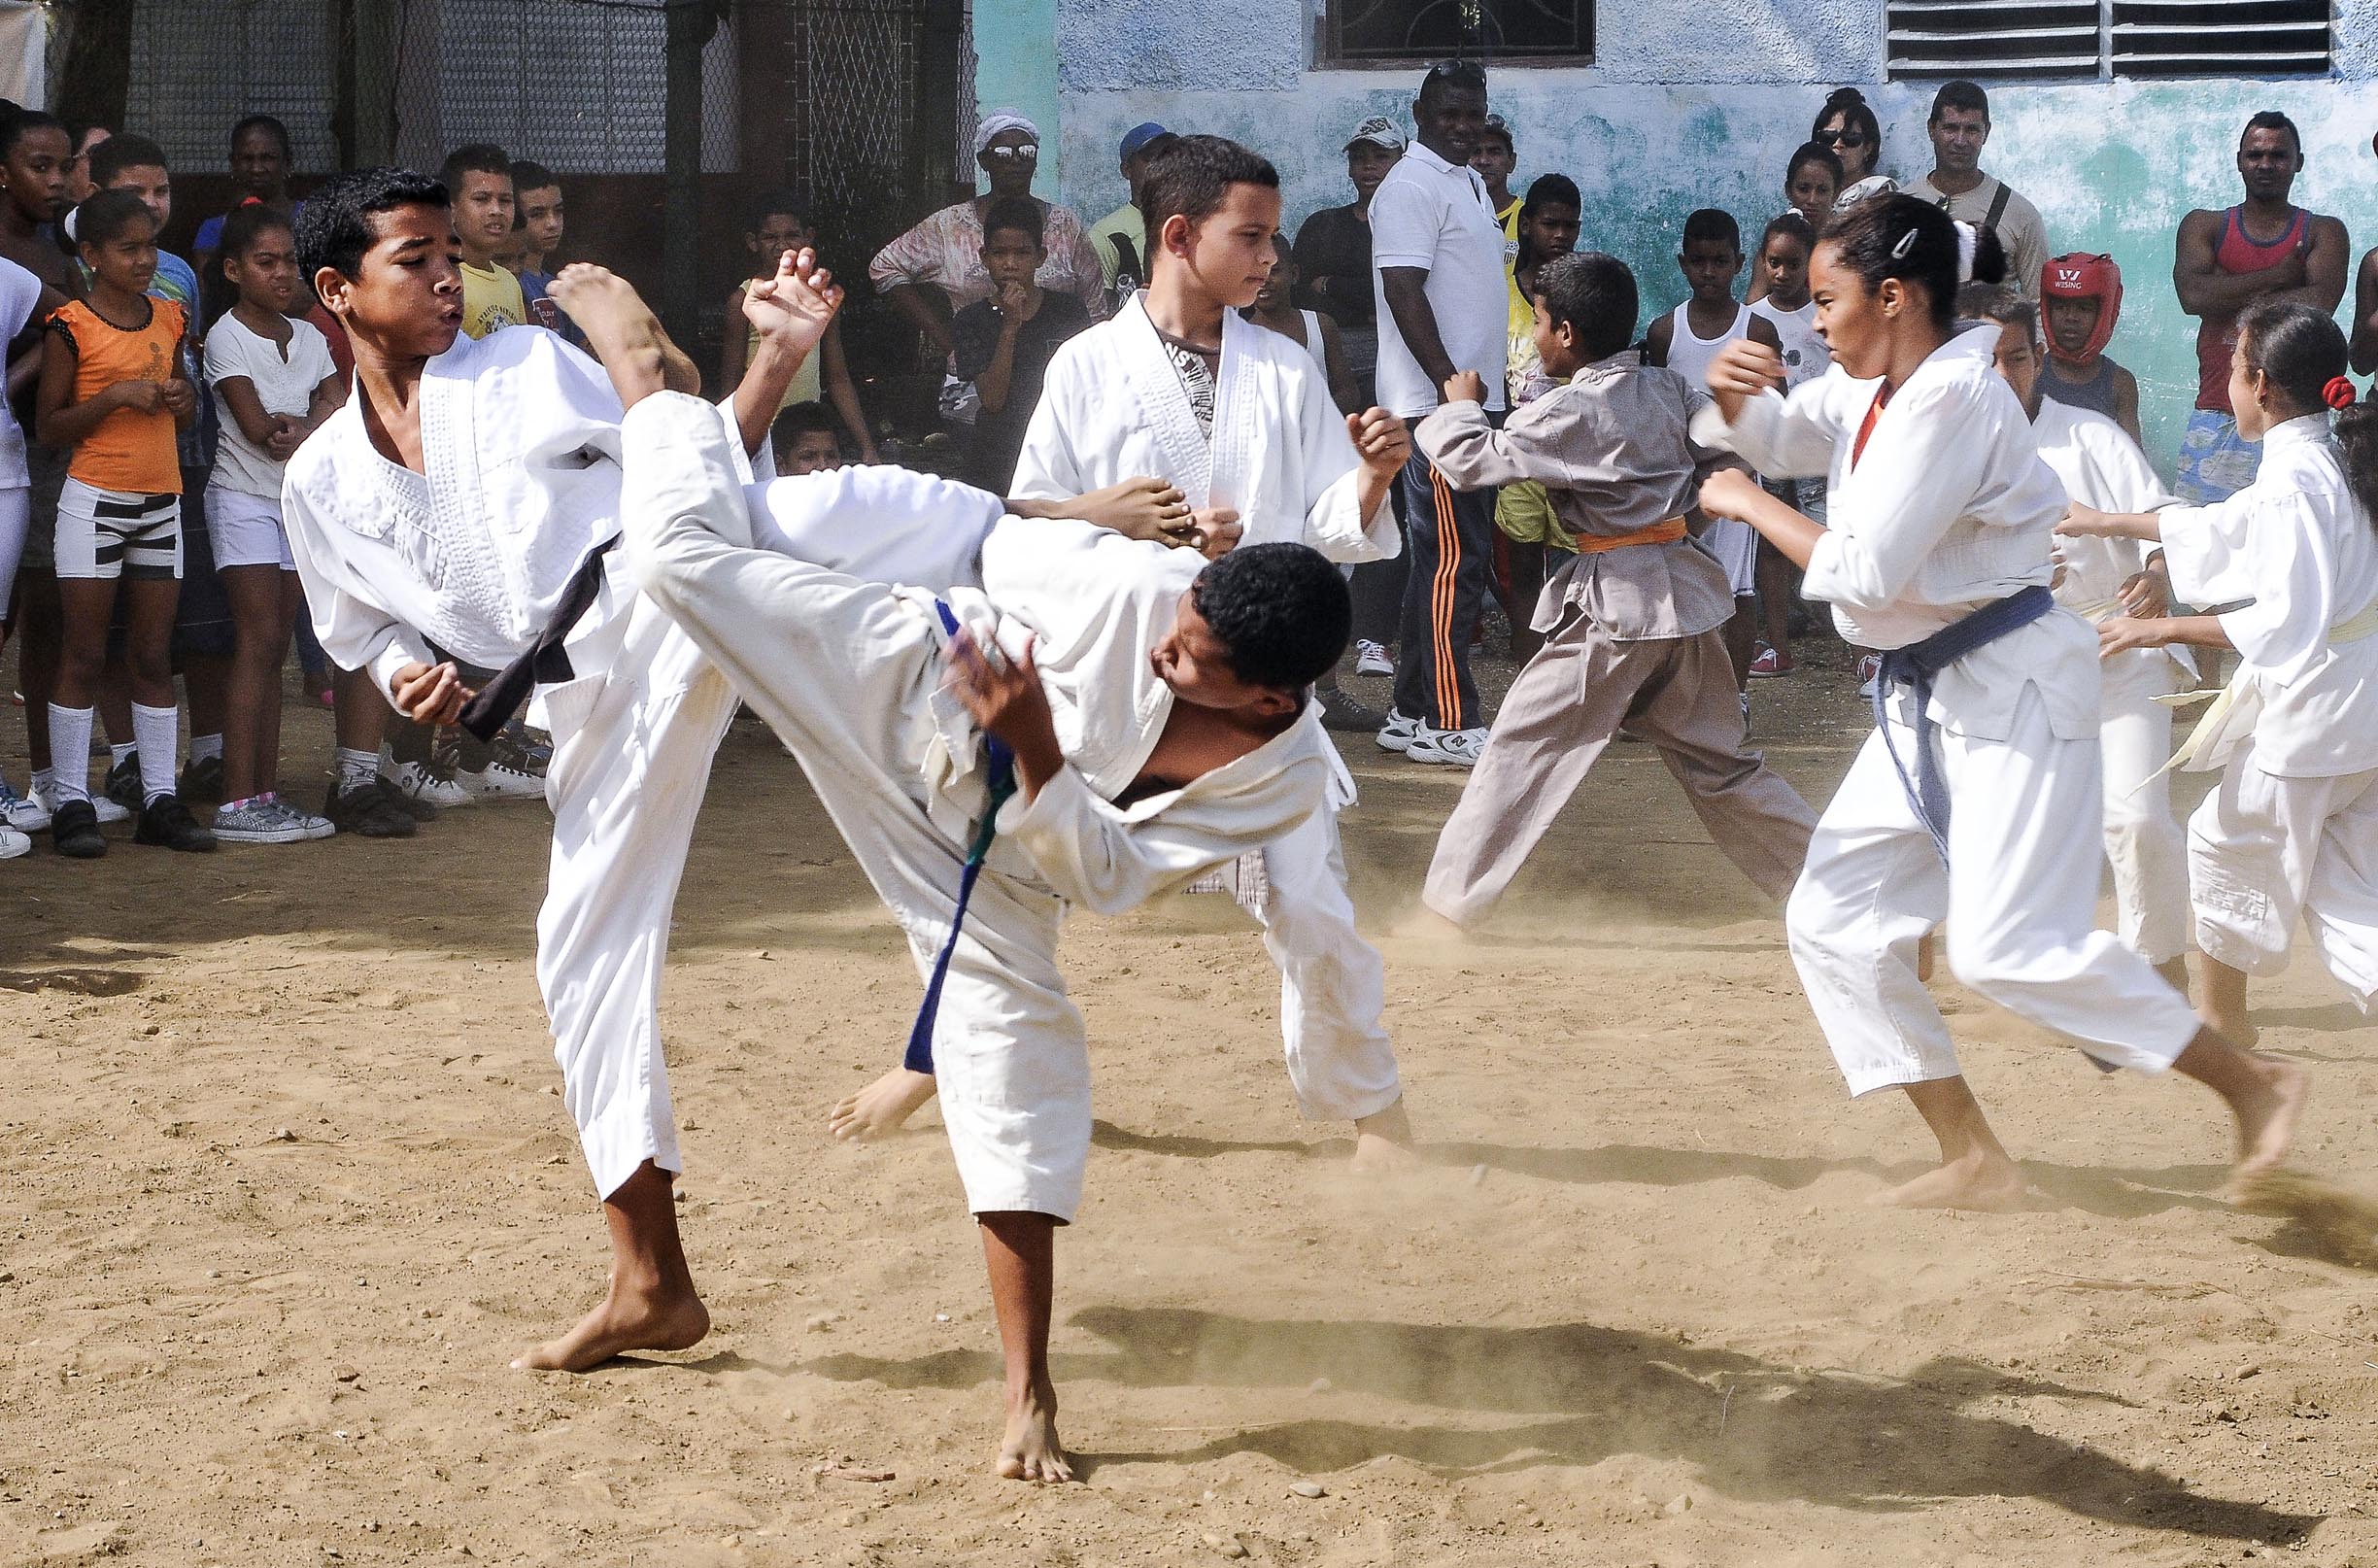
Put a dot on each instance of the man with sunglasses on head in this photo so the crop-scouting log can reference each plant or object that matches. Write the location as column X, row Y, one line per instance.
column 1960, row 127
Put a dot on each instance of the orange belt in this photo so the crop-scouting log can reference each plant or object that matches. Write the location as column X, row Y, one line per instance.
column 1595, row 544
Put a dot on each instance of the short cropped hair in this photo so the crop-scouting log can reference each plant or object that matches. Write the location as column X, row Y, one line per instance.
column 1280, row 611
column 1594, row 295
column 264, row 122
column 130, row 151
column 1711, row 225
column 334, row 228
column 1453, row 76
column 24, row 124
column 1192, row 178
column 1960, row 94
column 791, row 203
column 473, row 158
column 1019, row 214
column 528, row 175
column 2274, row 119
column 802, row 418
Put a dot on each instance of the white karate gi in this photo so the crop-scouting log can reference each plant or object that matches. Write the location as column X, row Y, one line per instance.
column 2294, row 827
column 1112, row 408
column 2101, row 466
column 1948, row 510
column 850, row 673
column 522, row 440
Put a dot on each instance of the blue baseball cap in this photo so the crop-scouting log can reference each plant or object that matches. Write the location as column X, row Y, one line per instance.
column 1140, row 135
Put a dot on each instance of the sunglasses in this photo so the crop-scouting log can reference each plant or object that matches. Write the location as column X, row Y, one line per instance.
column 1842, row 138
column 1015, row 155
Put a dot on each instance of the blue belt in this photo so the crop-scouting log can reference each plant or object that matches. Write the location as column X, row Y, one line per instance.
column 1915, row 666
column 1001, row 760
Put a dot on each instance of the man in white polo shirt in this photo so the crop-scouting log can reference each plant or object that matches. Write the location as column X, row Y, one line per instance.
column 1436, row 253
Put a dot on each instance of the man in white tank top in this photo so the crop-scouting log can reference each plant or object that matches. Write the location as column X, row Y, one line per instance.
column 1686, row 340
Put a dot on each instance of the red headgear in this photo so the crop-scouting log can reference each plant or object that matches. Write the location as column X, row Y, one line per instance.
column 2084, row 277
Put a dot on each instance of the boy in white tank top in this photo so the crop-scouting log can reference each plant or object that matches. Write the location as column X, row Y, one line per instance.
column 1686, row 340
column 1783, row 262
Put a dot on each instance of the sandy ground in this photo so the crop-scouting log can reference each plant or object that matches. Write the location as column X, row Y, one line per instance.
column 286, row 1181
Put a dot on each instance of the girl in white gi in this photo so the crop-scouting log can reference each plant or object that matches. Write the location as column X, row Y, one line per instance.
column 1976, row 799
column 2293, row 829
column 2099, row 466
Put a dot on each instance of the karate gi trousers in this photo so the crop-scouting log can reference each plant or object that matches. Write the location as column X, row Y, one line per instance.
column 2264, row 850
column 2018, row 893
column 2142, row 836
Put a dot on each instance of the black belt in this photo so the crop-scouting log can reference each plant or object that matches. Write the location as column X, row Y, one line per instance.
column 545, row 663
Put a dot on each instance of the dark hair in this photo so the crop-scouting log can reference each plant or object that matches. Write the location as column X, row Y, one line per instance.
column 2302, row 351
column 1193, row 178
column 1996, row 302
column 1856, row 113
column 335, row 228
column 130, row 151
column 791, row 203
column 798, row 420
column 1899, row 236
column 2274, row 119
column 1550, row 190
column 1815, row 153
column 473, row 158
column 1453, row 76
column 247, row 222
column 1593, row 295
column 1019, row 214
column 1711, row 225
column 1280, row 611
column 105, row 216
column 265, row 122
column 1960, row 94
column 528, row 175
column 1793, row 226
column 24, row 124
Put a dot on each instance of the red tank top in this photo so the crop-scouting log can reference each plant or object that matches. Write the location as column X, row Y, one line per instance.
column 2237, row 251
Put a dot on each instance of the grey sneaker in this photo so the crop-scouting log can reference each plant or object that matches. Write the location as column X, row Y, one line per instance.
column 262, row 820
column 315, row 827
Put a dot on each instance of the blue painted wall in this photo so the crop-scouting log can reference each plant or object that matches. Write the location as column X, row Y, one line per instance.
column 1695, row 103
column 1016, row 68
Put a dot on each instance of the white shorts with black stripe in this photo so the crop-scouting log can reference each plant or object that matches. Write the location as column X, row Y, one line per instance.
column 110, row 533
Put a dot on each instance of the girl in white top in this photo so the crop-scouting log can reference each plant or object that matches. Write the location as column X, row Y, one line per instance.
column 1783, row 303
column 2294, row 827
column 22, row 295
column 1976, row 801
column 272, row 383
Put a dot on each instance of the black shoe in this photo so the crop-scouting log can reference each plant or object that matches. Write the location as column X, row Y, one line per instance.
column 1341, row 711
column 74, row 828
column 369, row 810
column 202, row 780
column 123, row 782
column 167, row 823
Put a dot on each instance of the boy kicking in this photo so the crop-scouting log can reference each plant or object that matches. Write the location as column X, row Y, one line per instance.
column 1634, row 623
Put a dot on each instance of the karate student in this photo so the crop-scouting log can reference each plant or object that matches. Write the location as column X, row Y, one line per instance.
column 1976, row 799
column 1156, row 713
column 1179, row 385
column 1634, row 621
column 457, row 506
column 2293, row 829
column 2101, row 468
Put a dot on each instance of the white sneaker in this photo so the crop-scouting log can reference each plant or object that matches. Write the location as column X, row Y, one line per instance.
column 416, row 782
column 105, row 809
column 1455, row 748
column 1396, row 734
column 501, row 781
column 1371, row 659
column 22, row 812
column 13, row 843
column 1870, row 671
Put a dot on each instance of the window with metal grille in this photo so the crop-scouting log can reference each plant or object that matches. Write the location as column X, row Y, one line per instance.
column 2092, row 40
column 1399, row 32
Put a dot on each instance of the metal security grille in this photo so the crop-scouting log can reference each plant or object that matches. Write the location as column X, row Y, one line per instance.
column 2097, row 39
column 199, row 69
column 1403, row 31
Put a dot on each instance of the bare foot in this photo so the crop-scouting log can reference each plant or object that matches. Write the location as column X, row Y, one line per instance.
column 2267, row 1118
column 626, row 1320
column 1986, row 1181
column 883, row 1106
column 1383, row 1142
column 795, row 306
column 1030, row 1450
column 619, row 327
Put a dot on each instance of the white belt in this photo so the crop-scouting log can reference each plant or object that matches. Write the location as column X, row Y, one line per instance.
column 2236, row 706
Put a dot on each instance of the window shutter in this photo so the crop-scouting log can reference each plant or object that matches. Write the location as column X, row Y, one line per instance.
column 2220, row 38
column 1983, row 39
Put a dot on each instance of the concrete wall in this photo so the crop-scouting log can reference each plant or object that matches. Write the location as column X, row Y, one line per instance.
column 1696, row 103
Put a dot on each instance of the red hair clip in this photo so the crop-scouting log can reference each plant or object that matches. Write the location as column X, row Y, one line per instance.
column 2339, row 393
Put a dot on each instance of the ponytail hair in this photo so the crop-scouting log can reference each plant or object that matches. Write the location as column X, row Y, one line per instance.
column 2302, row 354
column 1897, row 236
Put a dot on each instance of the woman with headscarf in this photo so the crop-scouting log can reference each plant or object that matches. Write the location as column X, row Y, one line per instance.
column 945, row 249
